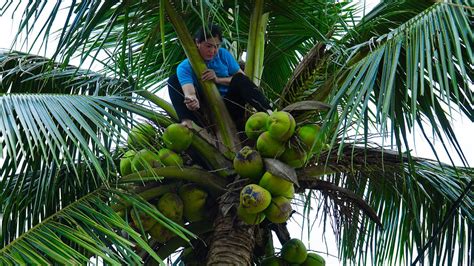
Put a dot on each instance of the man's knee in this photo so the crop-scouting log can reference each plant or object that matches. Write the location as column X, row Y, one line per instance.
column 241, row 80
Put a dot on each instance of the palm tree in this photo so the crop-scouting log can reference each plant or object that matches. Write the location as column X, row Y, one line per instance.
column 405, row 64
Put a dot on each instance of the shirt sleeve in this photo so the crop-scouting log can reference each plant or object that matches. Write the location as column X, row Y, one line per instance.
column 185, row 73
column 230, row 61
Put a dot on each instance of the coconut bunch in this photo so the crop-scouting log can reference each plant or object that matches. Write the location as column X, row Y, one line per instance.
column 294, row 252
column 187, row 204
column 176, row 139
column 268, row 197
column 276, row 135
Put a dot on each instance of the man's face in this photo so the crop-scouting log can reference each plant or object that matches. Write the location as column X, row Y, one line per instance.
column 208, row 48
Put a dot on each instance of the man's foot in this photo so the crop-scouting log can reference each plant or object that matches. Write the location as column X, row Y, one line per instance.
column 187, row 123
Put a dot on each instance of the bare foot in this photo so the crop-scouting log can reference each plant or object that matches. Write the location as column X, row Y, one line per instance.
column 187, row 123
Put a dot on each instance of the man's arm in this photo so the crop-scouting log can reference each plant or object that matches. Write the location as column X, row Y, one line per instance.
column 209, row 74
column 190, row 98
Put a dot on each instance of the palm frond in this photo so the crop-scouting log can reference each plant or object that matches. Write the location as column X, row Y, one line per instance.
column 401, row 78
column 411, row 206
column 60, row 128
column 132, row 43
column 26, row 73
column 293, row 30
column 383, row 18
column 55, row 148
column 87, row 228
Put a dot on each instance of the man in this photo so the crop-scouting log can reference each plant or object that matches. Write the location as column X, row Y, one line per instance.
column 224, row 71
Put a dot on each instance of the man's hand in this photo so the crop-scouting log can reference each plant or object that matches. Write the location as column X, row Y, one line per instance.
column 209, row 74
column 192, row 102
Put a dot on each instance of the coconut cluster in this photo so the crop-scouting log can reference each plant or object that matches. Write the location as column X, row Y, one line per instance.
column 186, row 204
column 276, row 135
column 294, row 252
column 142, row 142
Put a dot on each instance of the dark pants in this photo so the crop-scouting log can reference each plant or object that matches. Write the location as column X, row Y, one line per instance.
column 241, row 91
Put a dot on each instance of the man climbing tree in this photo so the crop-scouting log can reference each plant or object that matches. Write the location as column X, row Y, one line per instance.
column 224, row 71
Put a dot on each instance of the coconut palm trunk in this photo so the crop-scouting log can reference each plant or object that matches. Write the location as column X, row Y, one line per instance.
column 232, row 242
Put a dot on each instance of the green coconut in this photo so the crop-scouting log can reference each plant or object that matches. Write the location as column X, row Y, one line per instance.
column 294, row 156
column 171, row 206
column 256, row 125
column 177, row 137
column 279, row 210
column 142, row 136
column 169, row 157
column 281, row 125
column 248, row 163
column 145, row 159
column 269, row 147
column 309, row 137
column 314, row 259
column 250, row 218
column 144, row 219
column 160, row 233
column 276, row 185
column 194, row 202
column 126, row 162
column 254, row 198
column 294, row 251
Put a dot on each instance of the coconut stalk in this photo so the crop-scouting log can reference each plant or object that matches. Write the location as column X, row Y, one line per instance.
column 226, row 131
column 256, row 43
column 214, row 184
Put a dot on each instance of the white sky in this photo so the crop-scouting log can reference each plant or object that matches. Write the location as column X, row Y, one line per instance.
column 463, row 128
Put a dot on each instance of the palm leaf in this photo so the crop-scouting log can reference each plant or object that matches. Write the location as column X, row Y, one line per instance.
column 404, row 84
column 411, row 205
column 26, row 73
column 86, row 228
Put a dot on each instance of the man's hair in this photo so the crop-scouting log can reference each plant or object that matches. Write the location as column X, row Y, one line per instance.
column 211, row 31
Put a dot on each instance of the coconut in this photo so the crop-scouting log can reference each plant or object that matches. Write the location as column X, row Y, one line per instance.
column 294, row 251
column 279, row 210
column 160, row 233
column 248, row 163
column 169, row 157
column 309, row 137
column 276, row 185
column 144, row 219
column 177, row 137
column 145, row 159
column 142, row 136
column 171, row 206
column 194, row 202
column 281, row 125
column 294, row 156
column 269, row 147
column 250, row 218
column 126, row 162
column 314, row 259
column 254, row 198
column 256, row 125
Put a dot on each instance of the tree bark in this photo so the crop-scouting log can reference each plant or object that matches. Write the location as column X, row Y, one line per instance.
column 232, row 242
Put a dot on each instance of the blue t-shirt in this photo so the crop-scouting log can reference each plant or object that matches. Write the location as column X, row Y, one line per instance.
column 223, row 64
